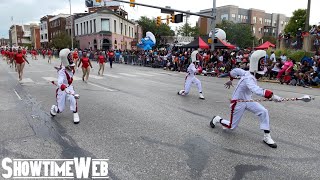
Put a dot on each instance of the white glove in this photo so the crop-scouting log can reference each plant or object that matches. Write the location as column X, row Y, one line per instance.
column 276, row 98
column 228, row 84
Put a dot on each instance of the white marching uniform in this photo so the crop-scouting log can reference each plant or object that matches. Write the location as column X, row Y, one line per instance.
column 191, row 79
column 246, row 86
column 65, row 78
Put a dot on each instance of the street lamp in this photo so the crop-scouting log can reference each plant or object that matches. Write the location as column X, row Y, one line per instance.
column 71, row 22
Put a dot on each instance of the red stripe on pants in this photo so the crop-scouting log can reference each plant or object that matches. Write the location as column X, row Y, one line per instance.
column 234, row 103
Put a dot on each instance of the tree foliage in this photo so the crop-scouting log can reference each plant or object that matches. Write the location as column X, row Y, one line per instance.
column 238, row 34
column 60, row 41
column 298, row 20
column 187, row 30
column 271, row 39
column 148, row 24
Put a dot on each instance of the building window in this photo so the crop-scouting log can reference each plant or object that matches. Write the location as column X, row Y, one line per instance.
column 125, row 30
column 233, row 16
column 132, row 32
column 87, row 27
column 77, row 30
column 239, row 16
column 260, row 19
column 253, row 30
column 115, row 26
column 80, row 28
column 225, row 17
column 94, row 25
column 90, row 26
column 121, row 28
column 129, row 31
column 254, row 19
column 45, row 36
column 105, row 25
column 42, row 37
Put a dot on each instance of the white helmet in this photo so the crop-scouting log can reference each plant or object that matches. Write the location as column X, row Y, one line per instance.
column 257, row 61
column 66, row 58
column 194, row 56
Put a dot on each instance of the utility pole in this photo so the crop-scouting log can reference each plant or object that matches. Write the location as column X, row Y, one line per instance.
column 71, row 23
column 306, row 28
column 213, row 24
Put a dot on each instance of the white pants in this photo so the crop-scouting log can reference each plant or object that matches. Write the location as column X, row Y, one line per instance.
column 238, row 109
column 192, row 80
column 62, row 97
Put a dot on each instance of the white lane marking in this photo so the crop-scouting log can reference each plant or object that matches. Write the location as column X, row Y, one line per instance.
column 113, row 76
column 50, row 78
column 26, row 80
column 95, row 77
column 125, row 74
column 17, row 94
column 34, row 71
column 75, row 78
column 144, row 74
column 96, row 85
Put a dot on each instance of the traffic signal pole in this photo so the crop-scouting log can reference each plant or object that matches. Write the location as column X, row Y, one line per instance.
column 213, row 17
column 213, row 24
column 168, row 9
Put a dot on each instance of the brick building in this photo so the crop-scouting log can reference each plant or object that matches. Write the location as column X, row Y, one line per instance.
column 57, row 25
column 106, row 29
column 44, row 31
column 262, row 23
column 35, row 36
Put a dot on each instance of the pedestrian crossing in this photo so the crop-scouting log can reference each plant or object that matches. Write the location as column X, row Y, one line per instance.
column 119, row 75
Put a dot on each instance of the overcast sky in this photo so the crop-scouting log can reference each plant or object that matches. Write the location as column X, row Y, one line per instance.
column 26, row 11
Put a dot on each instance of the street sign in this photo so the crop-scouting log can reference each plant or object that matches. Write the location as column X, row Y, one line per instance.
column 166, row 11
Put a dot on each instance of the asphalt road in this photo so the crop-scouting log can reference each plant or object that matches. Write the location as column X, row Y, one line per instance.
column 134, row 117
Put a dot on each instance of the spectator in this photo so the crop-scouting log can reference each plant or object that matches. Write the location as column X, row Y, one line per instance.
column 286, row 68
column 283, row 58
column 276, row 67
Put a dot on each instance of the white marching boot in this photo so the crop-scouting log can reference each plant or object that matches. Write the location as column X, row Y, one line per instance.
column 181, row 92
column 54, row 110
column 76, row 118
column 214, row 121
column 268, row 140
column 201, row 96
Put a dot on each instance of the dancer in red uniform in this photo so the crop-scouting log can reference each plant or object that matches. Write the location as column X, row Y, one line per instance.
column 85, row 67
column 101, row 61
column 20, row 60
column 49, row 52
column 111, row 57
column 75, row 56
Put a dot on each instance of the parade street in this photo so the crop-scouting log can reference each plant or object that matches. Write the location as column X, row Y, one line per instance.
column 134, row 117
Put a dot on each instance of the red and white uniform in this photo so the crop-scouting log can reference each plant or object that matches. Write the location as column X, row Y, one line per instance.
column 65, row 80
column 191, row 79
column 247, row 86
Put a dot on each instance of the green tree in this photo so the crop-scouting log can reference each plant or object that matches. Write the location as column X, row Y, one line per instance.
column 298, row 20
column 187, row 30
column 62, row 40
column 271, row 39
column 148, row 24
column 238, row 34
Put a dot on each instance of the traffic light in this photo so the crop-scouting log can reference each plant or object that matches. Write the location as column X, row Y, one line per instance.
column 132, row 1
column 158, row 20
column 172, row 18
column 98, row 1
column 168, row 19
